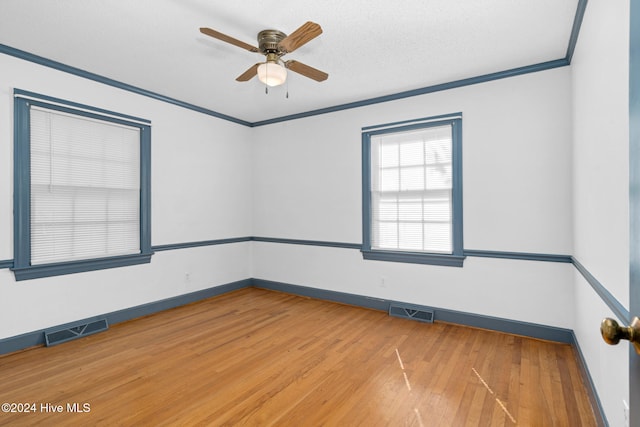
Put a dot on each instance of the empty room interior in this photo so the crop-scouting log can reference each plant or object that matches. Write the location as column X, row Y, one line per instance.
column 320, row 213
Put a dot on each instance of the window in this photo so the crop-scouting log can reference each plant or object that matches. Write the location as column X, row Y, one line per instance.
column 412, row 191
column 81, row 188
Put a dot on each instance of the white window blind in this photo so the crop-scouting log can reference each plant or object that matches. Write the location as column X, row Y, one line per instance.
column 85, row 187
column 411, row 190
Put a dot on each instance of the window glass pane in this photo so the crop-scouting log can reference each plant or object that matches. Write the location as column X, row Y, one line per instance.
column 410, row 210
column 410, row 236
column 412, row 178
column 412, row 153
column 44, row 234
column 386, row 236
column 389, row 155
column 385, row 209
column 437, row 210
column 437, row 237
column 438, row 149
column 389, row 179
column 439, row 177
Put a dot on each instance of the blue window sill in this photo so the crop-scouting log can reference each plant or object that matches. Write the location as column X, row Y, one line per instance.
column 58, row 269
column 415, row 258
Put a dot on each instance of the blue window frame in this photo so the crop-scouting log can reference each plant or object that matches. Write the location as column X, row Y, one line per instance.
column 412, row 191
column 107, row 211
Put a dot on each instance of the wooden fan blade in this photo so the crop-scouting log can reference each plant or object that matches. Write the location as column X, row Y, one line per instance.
column 225, row 38
column 307, row 32
column 249, row 74
column 307, row 71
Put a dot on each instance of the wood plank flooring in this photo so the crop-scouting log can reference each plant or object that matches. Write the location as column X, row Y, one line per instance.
column 260, row 358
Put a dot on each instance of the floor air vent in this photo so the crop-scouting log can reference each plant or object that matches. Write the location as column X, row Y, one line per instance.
column 71, row 333
column 414, row 312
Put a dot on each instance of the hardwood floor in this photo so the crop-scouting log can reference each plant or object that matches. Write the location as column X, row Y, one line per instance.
column 256, row 357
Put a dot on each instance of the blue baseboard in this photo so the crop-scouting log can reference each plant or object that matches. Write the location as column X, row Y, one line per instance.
column 598, row 410
column 36, row 338
column 516, row 327
column 323, row 294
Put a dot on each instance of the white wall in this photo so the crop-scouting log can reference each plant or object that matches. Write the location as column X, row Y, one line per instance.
column 600, row 76
column 201, row 180
column 517, row 197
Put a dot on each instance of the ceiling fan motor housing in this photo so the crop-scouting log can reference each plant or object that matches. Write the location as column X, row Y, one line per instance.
column 268, row 41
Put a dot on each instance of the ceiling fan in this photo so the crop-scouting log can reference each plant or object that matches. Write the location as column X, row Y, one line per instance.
column 274, row 44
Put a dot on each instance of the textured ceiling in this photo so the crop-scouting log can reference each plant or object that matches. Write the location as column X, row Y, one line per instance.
column 369, row 48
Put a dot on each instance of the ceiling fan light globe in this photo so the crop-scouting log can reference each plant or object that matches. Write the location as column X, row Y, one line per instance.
column 272, row 74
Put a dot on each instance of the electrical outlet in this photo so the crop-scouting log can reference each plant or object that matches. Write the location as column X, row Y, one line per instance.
column 383, row 282
column 187, row 277
column 625, row 408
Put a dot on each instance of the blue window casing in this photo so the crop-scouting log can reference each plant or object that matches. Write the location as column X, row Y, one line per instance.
column 456, row 258
column 22, row 267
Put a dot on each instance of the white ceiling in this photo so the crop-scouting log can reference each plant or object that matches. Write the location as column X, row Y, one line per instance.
column 370, row 48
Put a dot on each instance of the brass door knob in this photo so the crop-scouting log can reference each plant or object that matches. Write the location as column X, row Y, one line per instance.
column 612, row 332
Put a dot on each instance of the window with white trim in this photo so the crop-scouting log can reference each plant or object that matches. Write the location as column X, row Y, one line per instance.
column 412, row 192
column 82, row 188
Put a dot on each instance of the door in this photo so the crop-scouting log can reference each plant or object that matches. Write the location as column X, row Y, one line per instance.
column 634, row 202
